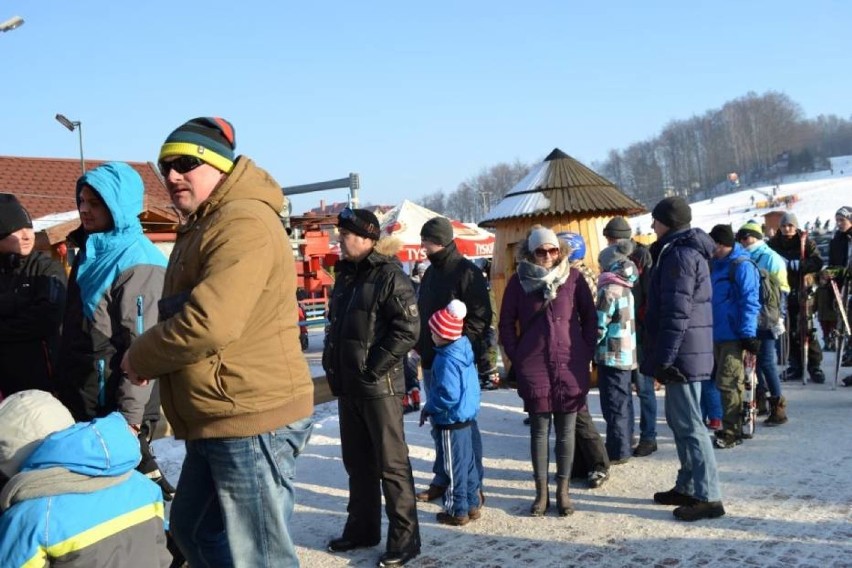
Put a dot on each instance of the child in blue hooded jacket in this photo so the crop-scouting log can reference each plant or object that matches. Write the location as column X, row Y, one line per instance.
column 452, row 406
column 74, row 499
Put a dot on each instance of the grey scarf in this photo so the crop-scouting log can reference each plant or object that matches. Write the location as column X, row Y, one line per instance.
column 534, row 277
column 52, row 481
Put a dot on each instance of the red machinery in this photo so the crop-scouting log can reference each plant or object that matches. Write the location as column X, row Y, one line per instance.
column 313, row 260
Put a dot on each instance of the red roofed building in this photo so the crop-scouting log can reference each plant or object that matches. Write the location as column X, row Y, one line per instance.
column 45, row 186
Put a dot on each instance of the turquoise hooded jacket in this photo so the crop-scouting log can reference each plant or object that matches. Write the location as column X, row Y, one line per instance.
column 113, row 290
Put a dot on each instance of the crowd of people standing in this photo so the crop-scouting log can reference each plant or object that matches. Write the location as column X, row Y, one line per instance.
column 211, row 335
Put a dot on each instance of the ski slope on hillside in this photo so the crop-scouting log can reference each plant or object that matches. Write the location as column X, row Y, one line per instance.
column 820, row 195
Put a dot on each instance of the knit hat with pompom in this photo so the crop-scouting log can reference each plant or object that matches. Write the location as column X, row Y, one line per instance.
column 448, row 322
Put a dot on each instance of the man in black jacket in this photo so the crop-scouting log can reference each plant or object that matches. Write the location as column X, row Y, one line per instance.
column 451, row 276
column 373, row 323
column 800, row 272
column 32, row 298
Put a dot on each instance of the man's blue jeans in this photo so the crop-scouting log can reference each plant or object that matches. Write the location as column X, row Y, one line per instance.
column 647, row 407
column 711, row 401
column 235, row 498
column 697, row 475
column 767, row 367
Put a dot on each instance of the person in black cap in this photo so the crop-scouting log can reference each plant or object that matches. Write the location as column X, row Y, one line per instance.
column 679, row 353
column 801, row 276
column 452, row 276
column 373, row 322
column 838, row 258
column 32, row 299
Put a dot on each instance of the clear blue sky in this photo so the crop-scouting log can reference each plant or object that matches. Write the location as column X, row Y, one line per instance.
column 414, row 96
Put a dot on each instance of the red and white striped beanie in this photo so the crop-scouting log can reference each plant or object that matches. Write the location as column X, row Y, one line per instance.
column 448, row 322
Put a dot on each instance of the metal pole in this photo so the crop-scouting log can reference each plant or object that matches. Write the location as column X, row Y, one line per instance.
column 82, row 161
column 354, row 187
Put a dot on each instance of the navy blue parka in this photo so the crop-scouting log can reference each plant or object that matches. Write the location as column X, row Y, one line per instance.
column 679, row 317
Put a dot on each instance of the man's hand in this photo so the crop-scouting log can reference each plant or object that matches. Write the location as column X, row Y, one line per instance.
column 132, row 376
column 670, row 374
column 423, row 417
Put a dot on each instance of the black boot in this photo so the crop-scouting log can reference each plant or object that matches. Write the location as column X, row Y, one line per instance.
column 542, row 499
column 563, row 498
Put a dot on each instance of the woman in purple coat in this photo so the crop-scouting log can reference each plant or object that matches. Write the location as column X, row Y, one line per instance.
column 548, row 331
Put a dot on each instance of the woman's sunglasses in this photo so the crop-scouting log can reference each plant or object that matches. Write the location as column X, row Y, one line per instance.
column 181, row 165
column 544, row 253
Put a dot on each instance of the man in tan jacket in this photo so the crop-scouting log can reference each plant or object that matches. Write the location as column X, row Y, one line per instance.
column 233, row 381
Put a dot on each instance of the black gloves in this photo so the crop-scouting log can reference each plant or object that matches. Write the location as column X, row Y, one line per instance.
column 149, row 465
column 670, row 374
column 750, row 344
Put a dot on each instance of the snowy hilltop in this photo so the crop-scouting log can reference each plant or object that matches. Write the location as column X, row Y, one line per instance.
column 818, row 196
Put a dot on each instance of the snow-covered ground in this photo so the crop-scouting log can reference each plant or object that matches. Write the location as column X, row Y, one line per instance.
column 820, row 195
column 787, row 492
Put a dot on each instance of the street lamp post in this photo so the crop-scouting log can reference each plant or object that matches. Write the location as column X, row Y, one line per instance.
column 73, row 125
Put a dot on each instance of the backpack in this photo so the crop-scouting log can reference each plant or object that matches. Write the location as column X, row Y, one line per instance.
column 769, row 295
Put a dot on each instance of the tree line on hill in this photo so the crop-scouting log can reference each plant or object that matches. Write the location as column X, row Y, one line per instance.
column 758, row 137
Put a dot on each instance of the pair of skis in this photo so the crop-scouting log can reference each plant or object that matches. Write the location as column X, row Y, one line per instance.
column 749, row 413
column 804, row 320
column 840, row 297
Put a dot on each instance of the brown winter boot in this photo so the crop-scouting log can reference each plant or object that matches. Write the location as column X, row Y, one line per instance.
column 563, row 498
column 778, row 416
column 542, row 499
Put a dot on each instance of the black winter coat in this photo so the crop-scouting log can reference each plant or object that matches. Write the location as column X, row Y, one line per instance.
column 838, row 249
column 32, row 299
column 373, row 324
column 451, row 276
column 790, row 249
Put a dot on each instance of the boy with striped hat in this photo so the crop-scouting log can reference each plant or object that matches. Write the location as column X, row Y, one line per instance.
column 452, row 406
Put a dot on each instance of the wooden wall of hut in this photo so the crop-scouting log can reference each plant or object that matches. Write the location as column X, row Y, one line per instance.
column 512, row 231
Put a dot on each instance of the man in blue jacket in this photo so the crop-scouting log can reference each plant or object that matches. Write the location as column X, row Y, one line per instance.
column 736, row 305
column 678, row 352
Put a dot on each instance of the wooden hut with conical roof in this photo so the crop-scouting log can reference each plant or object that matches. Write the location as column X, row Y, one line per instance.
column 560, row 193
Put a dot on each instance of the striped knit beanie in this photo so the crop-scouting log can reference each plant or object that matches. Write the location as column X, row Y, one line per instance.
column 750, row 229
column 845, row 212
column 208, row 138
column 448, row 322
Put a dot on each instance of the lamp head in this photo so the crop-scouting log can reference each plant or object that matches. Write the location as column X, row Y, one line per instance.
column 11, row 24
column 69, row 124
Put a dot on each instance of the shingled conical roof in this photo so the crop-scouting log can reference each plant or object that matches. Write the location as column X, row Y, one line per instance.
column 561, row 185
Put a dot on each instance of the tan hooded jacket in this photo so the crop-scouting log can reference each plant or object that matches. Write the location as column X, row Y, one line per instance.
column 227, row 349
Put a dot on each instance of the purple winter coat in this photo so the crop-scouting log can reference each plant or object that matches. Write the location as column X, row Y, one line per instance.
column 552, row 358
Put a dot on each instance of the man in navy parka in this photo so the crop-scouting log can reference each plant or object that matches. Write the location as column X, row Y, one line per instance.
column 679, row 353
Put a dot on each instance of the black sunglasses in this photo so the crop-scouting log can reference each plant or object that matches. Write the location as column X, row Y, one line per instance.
column 349, row 215
column 181, row 165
